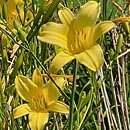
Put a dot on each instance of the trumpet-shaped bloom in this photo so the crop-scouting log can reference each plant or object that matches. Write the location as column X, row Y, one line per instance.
column 41, row 99
column 78, row 36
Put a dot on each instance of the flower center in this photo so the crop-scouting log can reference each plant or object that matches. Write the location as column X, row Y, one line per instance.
column 38, row 102
column 78, row 40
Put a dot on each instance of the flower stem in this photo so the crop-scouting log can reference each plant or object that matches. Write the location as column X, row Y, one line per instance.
column 34, row 30
column 72, row 96
column 49, row 76
column 34, row 56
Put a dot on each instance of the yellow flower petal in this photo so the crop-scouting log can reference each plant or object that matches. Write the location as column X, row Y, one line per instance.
column 12, row 13
column 21, row 110
column 37, row 120
column 37, row 78
column 11, row 5
column 59, row 61
column 121, row 19
column 54, row 34
column 25, row 87
column 58, row 107
column 51, row 92
column 92, row 58
column 102, row 28
column 87, row 15
column 66, row 16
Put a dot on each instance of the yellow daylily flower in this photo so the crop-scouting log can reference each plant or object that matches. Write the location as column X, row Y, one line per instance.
column 11, row 10
column 77, row 36
column 11, row 5
column 41, row 99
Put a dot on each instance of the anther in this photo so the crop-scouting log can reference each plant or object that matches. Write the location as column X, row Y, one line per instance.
column 85, row 35
column 82, row 32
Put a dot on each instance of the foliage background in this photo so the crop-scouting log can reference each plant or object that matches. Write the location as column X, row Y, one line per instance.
column 102, row 99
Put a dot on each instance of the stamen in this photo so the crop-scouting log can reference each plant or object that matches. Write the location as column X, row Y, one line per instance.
column 78, row 42
column 39, row 102
column 85, row 35
column 82, row 32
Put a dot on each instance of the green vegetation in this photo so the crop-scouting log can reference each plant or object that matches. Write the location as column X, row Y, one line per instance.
column 98, row 96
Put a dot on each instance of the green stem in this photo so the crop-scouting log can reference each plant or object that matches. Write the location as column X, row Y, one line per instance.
column 89, row 105
column 72, row 96
column 44, row 52
column 86, row 112
column 34, row 56
column 45, row 19
column 104, row 9
column 36, row 20
column 49, row 76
